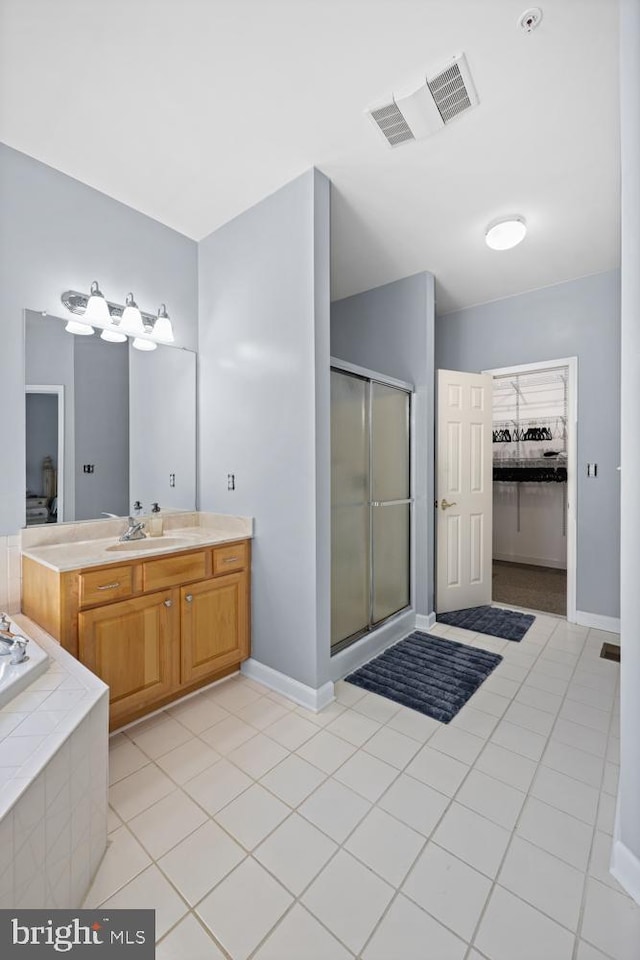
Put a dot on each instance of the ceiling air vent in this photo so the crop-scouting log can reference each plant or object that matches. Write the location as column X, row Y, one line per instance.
column 420, row 113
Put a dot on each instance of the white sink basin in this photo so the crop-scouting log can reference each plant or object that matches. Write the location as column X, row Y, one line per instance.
column 151, row 543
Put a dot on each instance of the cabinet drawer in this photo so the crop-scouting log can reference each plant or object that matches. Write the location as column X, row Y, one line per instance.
column 101, row 586
column 171, row 571
column 229, row 559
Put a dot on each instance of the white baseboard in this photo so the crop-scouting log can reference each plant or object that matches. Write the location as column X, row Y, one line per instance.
column 292, row 689
column 425, row 622
column 531, row 561
column 598, row 621
column 625, row 867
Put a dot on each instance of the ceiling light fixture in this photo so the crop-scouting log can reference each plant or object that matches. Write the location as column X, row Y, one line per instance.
column 117, row 322
column 505, row 233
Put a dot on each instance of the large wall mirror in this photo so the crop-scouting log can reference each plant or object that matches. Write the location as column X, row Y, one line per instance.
column 106, row 425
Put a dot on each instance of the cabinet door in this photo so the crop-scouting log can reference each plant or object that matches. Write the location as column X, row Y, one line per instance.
column 215, row 625
column 134, row 647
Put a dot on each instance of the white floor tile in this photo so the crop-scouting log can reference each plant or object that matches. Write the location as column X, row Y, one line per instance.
column 201, row 861
column 438, row 770
column 123, row 860
column 348, row 899
column 489, row 702
column 158, row 735
column 293, row 780
column 228, row 734
column 188, row 939
column 323, row 717
column 242, row 909
column 188, row 760
column 611, row 778
column 291, row 731
column 544, row 881
column 261, row 713
column 326, row 751
column 335, row 809
column 588, row 716
column 234, row 695
column 606, row 813
column 577, row 735
column 347, row 693
column 501, row 686
column 151, row 891
column 477, row 722
column 217, row 786
column 602, row 699
column 197, row 714
column 252, row 816
column 139, row 790
column 393, row 747
column 353, row 727
column 414, row 803
column 611, row 922
column 505, row 765
column 457, row 743
column 257, row 756
column 523, row 715
column 573, row 762
column 511, row 928
column 125, row 758
column 413, row 724
column 519, row 740
column 575, row 798
column 385, row 845
column 472, row 838
column 493, row 799
column 556, row 832
column 587, row 952
column 543, row 681
column 405, row 932
column 167, row 822
column 298, row 936
column 601, row 859
column 295, row 853
column 450, row 890
column 376, row 707
column 367, row 775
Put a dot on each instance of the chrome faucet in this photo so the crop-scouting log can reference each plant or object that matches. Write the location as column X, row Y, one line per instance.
column 13, row 644
column 135, row 531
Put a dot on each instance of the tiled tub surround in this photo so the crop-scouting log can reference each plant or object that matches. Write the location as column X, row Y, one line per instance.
column 53, row 783
column 258, row 829
column 73, row 545
column 16, row 677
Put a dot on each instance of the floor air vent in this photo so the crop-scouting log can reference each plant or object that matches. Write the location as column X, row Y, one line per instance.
column 418, row 114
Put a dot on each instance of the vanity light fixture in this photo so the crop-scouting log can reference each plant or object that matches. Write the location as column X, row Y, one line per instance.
column 119, row 322
column 97, row 307
column 505, row 233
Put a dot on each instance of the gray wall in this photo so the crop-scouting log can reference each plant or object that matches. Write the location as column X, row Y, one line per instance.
column 390, row 329
column 264, row 413
column 102, row 427
column 628, row 825
column 42, row 437
column 579, row 318
column 57, row 234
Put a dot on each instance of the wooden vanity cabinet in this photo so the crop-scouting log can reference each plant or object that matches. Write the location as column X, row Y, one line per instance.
column 152, row 628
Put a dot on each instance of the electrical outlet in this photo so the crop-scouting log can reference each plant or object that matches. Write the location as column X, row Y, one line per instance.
column 592, row 469
column 231, row 481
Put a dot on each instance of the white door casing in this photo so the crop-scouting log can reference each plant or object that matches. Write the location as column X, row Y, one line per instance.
column 464, row 490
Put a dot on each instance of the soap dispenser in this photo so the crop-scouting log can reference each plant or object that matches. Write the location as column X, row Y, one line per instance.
column 155, row 522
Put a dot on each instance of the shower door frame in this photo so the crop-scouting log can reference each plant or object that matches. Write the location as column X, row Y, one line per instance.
column 343, row 366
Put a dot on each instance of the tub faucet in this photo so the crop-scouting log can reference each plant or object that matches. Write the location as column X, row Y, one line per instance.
column 12, row 644
column 135, row 531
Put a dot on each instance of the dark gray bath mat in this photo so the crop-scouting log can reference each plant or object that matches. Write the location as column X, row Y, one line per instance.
column 429, row 674
column 507, row 624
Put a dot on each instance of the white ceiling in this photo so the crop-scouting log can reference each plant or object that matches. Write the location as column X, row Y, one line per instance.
column 193, row 110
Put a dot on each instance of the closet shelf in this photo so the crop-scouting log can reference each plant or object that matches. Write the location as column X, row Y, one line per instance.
column 516, row 463
column 528, row 474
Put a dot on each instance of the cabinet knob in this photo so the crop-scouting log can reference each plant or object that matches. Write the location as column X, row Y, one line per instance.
column 168, row 603
column 189, row 597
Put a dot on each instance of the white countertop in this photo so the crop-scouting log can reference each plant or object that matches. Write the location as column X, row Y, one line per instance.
column 181, row 532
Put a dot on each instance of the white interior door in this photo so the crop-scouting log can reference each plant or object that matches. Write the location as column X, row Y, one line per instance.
column 464, row 490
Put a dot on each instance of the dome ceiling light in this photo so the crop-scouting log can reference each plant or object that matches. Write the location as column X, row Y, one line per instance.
column 505, row 233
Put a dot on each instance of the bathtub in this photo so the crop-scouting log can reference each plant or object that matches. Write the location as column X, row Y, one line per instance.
column 14, row 678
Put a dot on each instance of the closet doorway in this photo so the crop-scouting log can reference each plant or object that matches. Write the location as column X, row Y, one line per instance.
column 534, row 486
column 371, row 503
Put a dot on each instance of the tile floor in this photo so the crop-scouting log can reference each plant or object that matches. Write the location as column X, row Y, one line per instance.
column 257, row 829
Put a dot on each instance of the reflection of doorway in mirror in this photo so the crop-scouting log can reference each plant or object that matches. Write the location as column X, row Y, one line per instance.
column 44, row 453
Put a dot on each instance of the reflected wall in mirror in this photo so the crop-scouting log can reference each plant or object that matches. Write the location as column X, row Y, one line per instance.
column 106, row 425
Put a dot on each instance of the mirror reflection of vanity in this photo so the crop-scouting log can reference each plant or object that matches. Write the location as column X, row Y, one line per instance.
column 106, row 425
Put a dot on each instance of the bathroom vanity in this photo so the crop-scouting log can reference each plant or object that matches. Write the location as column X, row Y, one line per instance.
column 155, row 619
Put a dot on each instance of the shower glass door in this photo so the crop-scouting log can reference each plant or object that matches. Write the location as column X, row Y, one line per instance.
column 370, row 504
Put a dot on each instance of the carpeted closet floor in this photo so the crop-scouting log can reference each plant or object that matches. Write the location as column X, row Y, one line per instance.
column 537, row 588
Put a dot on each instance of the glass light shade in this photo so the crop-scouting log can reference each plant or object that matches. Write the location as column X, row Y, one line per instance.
column 112, row 336
column 144, row 344
column 131, row 321
column 80, row 329
column 97, row 307
column 162, row 329
column 506, row 233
